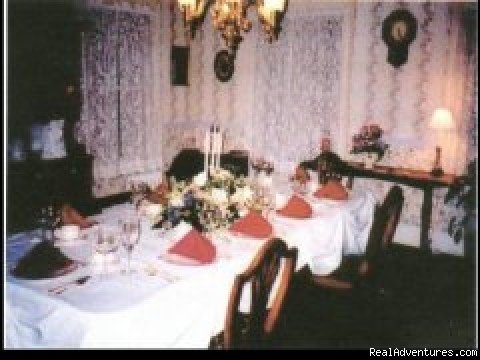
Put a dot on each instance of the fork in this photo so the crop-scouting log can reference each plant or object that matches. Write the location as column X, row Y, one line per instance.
column 61, row 288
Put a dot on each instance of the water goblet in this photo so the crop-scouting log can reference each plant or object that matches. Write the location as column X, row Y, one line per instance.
column 106, row 245
column 130, row 238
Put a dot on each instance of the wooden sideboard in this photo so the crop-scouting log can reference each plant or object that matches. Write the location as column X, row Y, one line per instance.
column 34, row 183
column 416, row 178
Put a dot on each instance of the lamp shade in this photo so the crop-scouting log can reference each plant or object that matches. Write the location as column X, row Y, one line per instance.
column 442, row 119
column 277, row 5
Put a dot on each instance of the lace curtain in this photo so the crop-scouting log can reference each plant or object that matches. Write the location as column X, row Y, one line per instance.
column 116, row 88
column 297, row 87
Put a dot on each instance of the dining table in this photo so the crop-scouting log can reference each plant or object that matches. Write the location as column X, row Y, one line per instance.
column 162, row 303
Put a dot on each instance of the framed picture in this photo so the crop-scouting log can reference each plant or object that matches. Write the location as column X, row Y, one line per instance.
column 179, row 65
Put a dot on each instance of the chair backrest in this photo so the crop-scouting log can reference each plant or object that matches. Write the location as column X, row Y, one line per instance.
column 329, row 166
column 385, row 221
column 262, row 274
column 189, row 162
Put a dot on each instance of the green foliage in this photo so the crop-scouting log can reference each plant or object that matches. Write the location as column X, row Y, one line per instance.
column 463, row 194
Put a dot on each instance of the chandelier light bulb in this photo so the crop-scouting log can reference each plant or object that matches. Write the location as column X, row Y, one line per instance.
column 230, row 17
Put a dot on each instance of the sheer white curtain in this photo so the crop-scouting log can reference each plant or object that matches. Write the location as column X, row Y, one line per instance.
column 459, row 94
column 299, row 85
column 117, row 96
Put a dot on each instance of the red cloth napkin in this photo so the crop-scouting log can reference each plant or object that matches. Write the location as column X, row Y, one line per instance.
column 333, row 190
column 296, row 208
column 254, row 225
column 70, row 216
column 194, row 246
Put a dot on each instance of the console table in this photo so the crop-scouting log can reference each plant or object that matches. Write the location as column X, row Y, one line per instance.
column 415, row 178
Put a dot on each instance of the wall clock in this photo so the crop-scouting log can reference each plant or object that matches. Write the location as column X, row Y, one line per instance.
column 398, row 31
column 224, row 65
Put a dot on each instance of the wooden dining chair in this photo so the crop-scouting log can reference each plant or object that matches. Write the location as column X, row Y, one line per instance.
column 328, row 165
column 355, row 271
column 254, row 329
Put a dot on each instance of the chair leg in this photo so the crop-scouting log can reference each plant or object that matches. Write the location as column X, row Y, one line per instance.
column 329, row 282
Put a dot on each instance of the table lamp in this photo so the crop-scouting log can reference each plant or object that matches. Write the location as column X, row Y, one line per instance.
column 442, row 121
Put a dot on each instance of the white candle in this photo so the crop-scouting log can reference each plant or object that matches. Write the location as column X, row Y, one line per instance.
column 214, row 147
column 206, row 151
column 218, row 146
column 212, row 152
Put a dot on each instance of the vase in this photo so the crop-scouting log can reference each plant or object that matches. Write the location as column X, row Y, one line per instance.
column 370, row 161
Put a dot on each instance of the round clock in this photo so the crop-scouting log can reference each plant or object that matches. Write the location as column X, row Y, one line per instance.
column 224, row 65
column 398, row 31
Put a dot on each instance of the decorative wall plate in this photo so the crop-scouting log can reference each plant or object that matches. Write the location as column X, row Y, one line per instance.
column 224, row 65
column 398, row 31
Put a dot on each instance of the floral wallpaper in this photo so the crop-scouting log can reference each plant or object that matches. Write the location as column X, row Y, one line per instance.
column 326, row 75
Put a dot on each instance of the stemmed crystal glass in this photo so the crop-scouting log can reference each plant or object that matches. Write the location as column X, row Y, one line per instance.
column 130, row 238
column 106, row 244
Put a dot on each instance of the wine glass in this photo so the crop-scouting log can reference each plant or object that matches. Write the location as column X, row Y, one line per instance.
column 106, row 244
column 130, row 238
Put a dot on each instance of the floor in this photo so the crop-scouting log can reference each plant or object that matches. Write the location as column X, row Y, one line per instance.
column 428, row 301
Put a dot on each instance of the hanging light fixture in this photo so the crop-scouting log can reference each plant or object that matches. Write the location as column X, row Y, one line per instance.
column 230, row 17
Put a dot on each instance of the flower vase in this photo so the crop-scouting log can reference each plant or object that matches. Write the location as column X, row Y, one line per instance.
column 370, row 160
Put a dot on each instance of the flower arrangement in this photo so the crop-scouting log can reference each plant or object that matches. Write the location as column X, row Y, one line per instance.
column 206, row 203
column 261, row 164
column 369, row 140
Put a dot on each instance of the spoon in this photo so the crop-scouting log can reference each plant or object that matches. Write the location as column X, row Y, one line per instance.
column 61, row 288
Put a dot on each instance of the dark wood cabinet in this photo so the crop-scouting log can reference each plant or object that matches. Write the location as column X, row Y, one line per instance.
column 34, row 183
column 44, row 64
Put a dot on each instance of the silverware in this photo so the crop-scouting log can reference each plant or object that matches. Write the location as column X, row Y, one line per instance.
column 61, row 288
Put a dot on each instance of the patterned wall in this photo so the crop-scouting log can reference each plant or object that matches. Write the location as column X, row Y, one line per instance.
column 438, row 74
column 327, row 74
column 279, row 93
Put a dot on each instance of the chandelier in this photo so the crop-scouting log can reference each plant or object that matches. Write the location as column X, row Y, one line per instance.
column 230, row 17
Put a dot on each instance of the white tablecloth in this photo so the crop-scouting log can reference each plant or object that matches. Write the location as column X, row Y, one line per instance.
column 179, row 307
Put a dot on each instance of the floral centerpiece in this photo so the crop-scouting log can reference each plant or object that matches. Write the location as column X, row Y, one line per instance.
column 206, row 203
column 369, row 140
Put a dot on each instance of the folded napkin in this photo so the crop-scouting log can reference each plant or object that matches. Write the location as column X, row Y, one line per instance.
column 333, row 190
column 71, row 216
column 195, row 246
column 43, row 261
column 158, row 195
column 296, row 208
column 254, row 225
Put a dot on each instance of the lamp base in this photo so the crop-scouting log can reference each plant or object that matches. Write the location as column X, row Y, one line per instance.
column 437, row 172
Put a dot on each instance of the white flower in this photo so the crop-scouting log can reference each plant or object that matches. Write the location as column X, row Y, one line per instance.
column 265, row 180
column 176, row 200
column 200, row 179
column 222, row 174
column 153, row 210
column 219, row 196
column 242, row 212
column 242, row 195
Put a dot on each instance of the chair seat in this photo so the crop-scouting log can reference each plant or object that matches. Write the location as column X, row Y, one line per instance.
column 361, row 271
column 345, row 277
